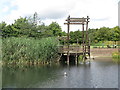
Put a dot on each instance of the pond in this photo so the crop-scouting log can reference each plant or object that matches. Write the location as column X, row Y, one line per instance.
column 100, row 73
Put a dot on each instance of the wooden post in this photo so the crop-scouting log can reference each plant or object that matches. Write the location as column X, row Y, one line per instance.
column 83, row 41
column 76, row 56
column 77, row 41
column 76, row 60
column 89, row 48
column 68, row 37
column 82, row 21
column 86, row 38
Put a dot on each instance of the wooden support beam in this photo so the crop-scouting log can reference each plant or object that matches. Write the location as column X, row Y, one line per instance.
column 87, row 39
column 79, row 21
column 79, row 18
column 89, row 47
column 86, row 36
column 83, row 41
column 68, row 37
column 73, row 23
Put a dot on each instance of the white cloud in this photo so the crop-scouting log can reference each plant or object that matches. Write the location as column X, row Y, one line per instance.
column 101, row 12
column 5, row 9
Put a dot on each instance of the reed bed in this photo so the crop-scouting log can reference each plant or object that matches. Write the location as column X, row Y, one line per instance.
column 23, row 50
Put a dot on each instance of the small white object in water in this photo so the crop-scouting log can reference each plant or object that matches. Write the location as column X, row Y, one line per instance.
column 95, row 86
column 88, row 62
column 81, row 62
column 65, row 74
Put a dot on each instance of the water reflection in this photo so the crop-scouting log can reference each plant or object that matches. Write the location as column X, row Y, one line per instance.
column 98, row 74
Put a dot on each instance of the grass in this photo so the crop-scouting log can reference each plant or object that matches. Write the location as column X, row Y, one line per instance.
column 104, row 44
column 29, row 50
column 116, row 57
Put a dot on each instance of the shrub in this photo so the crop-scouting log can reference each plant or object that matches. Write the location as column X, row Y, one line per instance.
column 116, row 56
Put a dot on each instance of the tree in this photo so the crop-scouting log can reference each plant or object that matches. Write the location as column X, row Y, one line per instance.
column 24, row 27
column 3, row 25
column 36, row 19
column 2, row 28
column 98, row 35
column 75, row 35
column 103, row 34
column 54, row 29
column 115, row 34
column 7, row 30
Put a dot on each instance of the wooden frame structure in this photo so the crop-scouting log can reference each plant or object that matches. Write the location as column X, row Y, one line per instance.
column 85, row 40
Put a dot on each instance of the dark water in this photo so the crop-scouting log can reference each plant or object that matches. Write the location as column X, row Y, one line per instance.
column 101, row 73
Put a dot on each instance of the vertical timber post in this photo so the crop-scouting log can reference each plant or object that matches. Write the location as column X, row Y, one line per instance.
column 76, row 56
column 83, row 41
column 86, row 38
column 89, row 48
column 68, row 37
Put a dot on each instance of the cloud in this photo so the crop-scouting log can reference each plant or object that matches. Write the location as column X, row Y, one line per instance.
column 53, row 14
column 5, row 9
column 101, row 12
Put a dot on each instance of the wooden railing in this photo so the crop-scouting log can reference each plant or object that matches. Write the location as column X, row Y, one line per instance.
column 72, row 48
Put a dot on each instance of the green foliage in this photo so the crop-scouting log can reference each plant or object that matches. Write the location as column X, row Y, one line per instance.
column 116, row 56
column 29, row 27
column 76, row 35
column 80, row 58
column 104, row 34
column 32, row 49
column 54, row 29
column 115, row 33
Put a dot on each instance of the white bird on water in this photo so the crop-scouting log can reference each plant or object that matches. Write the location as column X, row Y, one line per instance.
column 65, row 74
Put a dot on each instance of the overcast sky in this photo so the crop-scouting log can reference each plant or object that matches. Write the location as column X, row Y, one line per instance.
column 101, row 12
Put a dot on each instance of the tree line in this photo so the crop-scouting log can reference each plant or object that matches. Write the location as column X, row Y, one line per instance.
column 23, row 27
column 33, row 27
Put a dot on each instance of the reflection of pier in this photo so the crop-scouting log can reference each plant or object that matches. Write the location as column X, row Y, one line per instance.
column 76, row 50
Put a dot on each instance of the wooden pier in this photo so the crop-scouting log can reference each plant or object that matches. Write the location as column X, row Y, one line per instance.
column 76, row 50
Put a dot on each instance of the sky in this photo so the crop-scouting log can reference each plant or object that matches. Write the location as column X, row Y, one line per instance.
column 101, row 12
column 119, row 14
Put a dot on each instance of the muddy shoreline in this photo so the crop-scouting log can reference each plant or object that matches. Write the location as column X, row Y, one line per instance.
column 102, row 52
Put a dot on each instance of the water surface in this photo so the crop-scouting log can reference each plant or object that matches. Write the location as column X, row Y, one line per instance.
column 100, row 73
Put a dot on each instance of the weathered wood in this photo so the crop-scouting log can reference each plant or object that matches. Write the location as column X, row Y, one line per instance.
column 68, row 37
column 85, row 42
column 77, row 20
column 86, row 36
column 73, row 23
column 80, row 18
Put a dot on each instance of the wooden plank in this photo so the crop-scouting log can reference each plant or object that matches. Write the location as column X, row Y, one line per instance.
column 79, row 18
column 73, row 23
column 76, row 20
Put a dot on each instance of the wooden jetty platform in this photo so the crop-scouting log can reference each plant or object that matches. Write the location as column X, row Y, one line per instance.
column 76, row 50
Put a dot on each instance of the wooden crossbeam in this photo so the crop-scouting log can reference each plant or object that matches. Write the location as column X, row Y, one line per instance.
column 77, row 19
column 74, row 23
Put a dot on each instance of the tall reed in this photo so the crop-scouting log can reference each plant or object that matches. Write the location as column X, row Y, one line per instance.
column 23, row 49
